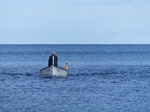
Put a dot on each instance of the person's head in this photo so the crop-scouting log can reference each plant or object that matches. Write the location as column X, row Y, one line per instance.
column 53, row 53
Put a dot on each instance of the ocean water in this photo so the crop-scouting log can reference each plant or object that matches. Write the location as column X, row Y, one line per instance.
column 102, row 78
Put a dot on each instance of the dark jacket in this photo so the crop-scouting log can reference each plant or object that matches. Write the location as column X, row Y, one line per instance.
column 53, row 60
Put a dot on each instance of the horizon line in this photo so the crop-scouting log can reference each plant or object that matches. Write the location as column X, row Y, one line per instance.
column 75, row 44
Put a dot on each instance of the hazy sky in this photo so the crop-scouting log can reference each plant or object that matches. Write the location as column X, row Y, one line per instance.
column 74, row 21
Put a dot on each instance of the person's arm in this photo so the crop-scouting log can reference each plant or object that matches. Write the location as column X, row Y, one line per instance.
column 49, row 61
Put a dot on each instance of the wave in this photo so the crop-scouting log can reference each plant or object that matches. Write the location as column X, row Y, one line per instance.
column 16, row 74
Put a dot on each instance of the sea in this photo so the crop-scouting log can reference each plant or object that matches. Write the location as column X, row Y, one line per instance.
column 102, row 78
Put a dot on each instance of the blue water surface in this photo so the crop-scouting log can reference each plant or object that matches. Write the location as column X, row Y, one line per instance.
column 102, row 78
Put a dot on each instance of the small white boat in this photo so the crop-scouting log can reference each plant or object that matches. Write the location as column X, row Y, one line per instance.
column 53, row 72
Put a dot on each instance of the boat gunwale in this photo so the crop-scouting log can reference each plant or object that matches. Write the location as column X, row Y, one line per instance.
column 53, row 66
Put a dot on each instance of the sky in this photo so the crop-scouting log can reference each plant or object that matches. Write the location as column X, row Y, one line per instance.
column 74, row 21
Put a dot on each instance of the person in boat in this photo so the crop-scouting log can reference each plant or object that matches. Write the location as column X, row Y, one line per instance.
column 53, row 60
column 66, row 66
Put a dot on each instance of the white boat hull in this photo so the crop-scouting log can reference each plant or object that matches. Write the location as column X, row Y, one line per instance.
column 53, row 72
